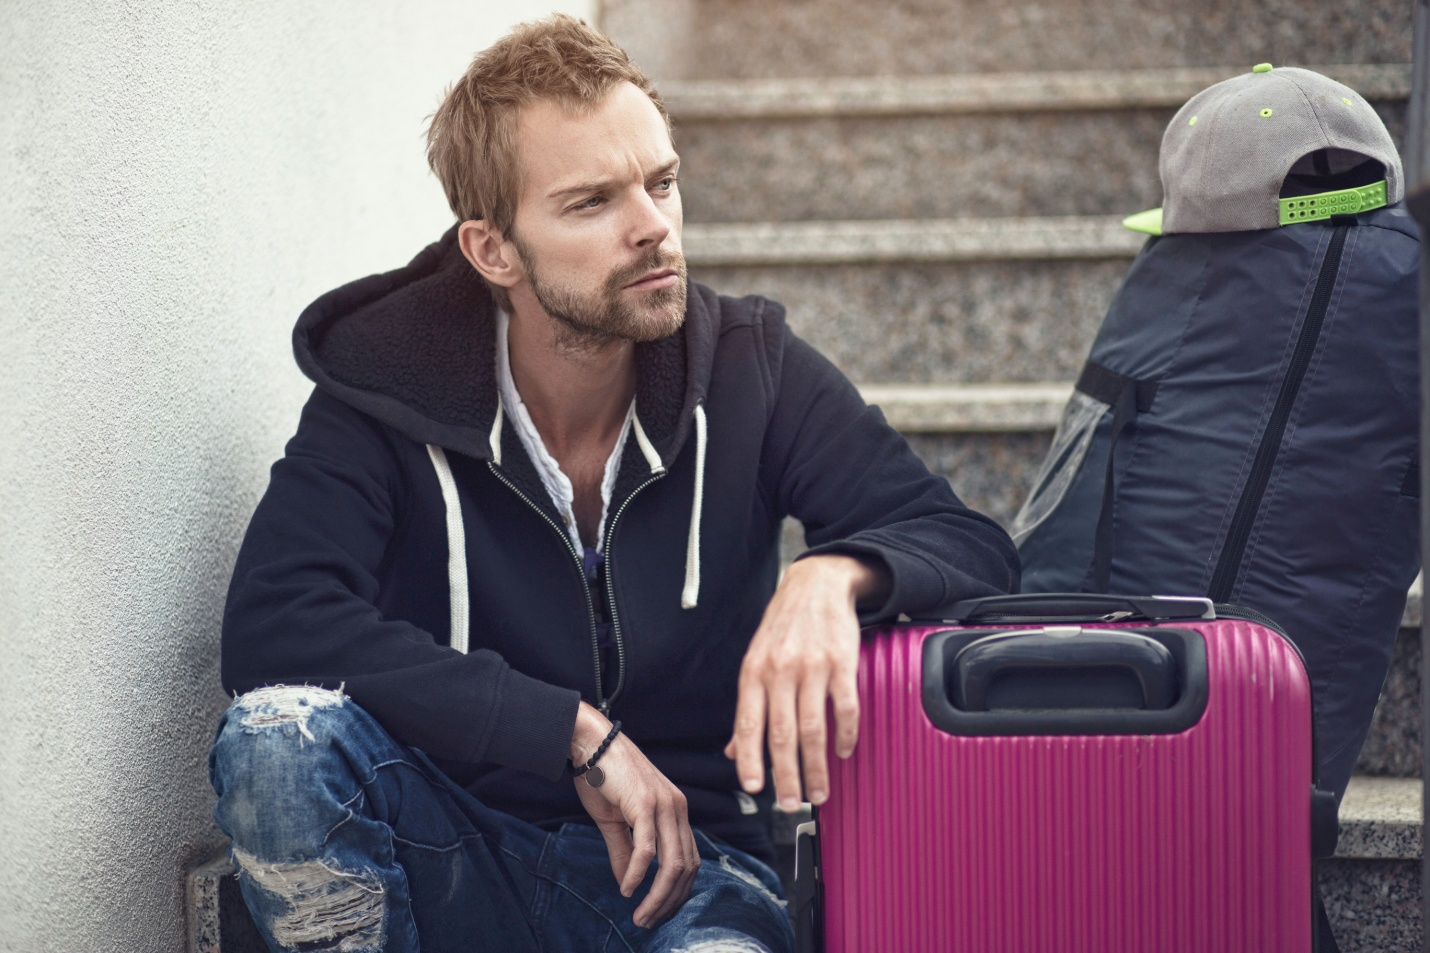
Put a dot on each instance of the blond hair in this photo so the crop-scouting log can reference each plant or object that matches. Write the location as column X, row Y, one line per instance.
column 471, row 140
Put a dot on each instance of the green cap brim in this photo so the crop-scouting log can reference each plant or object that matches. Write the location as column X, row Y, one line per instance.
column 1148, row 222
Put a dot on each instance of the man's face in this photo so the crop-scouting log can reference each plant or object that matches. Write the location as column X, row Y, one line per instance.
column 598, row 222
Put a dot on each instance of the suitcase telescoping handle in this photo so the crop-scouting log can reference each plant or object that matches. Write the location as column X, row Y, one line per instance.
column 1080, row 607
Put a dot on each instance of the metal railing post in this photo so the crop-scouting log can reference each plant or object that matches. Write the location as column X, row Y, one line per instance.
column 1417, row 178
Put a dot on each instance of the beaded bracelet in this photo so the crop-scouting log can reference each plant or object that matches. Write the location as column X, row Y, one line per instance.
column 594, row 775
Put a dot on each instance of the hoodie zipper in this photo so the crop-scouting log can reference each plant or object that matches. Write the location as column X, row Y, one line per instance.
column 601, row 701
column 611, row 599
column 1229, row 563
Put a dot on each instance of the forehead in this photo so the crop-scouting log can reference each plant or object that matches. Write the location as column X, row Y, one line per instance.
column 623, row 137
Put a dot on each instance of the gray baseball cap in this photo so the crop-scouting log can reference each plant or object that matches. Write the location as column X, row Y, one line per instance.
column 1228, row 151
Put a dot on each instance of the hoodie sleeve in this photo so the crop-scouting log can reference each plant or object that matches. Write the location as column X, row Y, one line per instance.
column 860, row 490
column 302, row 608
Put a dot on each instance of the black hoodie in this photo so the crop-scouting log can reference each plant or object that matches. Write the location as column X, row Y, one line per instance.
column 343, row 577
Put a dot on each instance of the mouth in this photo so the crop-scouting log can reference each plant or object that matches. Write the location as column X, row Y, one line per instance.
column 654, row 280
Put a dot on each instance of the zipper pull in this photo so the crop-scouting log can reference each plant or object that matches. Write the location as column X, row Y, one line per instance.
column 605, row 708
column 1117, row 616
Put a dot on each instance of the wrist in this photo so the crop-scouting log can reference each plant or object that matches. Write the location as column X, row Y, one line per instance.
column 590, row 730
column 861, row 580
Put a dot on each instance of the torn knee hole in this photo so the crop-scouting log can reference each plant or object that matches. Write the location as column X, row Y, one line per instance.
column 729, row 866
column 325, row 908
column 279, row 705
column 724, row 944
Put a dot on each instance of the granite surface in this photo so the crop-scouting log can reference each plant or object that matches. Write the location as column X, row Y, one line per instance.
column 219, row 921
column 680, row 39
column 1373, row 905
column 1393, row 745
column 920, row 166
column 959, row 322
column 1381, row 819
column 1089, row 163
column 991, row 473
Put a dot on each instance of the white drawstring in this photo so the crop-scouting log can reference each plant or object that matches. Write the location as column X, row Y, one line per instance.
column 494, row 439
column 456, row 534
column 652, row 458
column 456, row 546
column 690, row 595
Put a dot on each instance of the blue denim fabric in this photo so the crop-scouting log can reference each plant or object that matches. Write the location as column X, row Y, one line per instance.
column 348, row 840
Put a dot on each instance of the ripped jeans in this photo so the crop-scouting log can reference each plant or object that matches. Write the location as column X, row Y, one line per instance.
column 347, row 840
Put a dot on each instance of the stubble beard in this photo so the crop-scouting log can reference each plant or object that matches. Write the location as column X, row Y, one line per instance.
column 590, row 322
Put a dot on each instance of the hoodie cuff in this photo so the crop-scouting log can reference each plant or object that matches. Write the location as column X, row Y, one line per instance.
column 533, row 726
column 915, row 584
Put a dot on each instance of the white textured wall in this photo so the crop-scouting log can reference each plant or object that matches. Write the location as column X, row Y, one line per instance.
column 177, row 179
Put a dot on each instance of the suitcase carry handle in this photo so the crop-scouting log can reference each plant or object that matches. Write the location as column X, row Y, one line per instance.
column 1080, row 607
column 1064, row 667
column 1083, row 686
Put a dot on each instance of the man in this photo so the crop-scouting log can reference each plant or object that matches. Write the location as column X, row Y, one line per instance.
column 527, row 530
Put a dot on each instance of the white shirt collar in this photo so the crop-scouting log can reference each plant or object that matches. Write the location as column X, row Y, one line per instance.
column 557, row 484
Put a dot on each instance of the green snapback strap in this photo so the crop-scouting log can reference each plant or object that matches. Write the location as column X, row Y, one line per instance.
column 1311, row 208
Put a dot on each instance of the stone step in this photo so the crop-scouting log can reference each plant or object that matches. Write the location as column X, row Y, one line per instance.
column 1371, row 888
column 936, row 322
column 715, row 39
column 977, row 300
column 948, row 146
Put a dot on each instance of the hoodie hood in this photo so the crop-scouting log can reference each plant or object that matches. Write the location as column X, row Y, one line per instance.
column 415, row 348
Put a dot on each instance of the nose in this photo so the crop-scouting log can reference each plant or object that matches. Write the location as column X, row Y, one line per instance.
column 650, row 224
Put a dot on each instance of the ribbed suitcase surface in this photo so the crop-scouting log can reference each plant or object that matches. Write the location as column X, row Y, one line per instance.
column 1194, row 841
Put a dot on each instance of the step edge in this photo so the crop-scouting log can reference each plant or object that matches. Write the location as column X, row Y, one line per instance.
column 970, row 408
column 974, row 93
column 824, row 242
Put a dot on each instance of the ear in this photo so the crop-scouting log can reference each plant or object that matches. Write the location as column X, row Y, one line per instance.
column 490, row 253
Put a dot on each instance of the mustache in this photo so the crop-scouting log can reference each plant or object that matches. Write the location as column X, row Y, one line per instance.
column 653, row 260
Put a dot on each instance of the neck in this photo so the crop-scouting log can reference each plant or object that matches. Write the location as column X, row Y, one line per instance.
column 574, row 396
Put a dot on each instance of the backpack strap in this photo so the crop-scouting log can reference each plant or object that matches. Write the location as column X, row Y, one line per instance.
column 1127, row 396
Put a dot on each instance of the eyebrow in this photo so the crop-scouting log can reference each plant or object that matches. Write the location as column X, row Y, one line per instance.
column 600, row 186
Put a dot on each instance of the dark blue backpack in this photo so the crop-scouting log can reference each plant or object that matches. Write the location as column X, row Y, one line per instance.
column 1246, row 429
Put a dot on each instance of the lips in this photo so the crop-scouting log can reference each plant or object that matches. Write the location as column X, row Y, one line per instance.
column 660, row 278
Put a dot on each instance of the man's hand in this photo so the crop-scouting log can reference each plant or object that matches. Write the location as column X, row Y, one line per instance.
column 641, row 815
column 806, row 650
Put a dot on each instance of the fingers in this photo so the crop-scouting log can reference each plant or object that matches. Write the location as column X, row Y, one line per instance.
column 784, row 743
column 678, row 863
column 813, row 736
column 844, row 692
column 747, row 746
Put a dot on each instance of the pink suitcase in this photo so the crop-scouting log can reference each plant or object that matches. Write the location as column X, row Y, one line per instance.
column 976, row 816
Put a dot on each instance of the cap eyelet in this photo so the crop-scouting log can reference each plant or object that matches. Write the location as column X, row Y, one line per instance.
column 1265, row 114
column 1192, row 121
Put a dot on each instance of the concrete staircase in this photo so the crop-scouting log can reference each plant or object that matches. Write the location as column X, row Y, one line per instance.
column 934, row 191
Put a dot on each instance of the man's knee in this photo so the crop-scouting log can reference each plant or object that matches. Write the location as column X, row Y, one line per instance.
column 279, row 769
